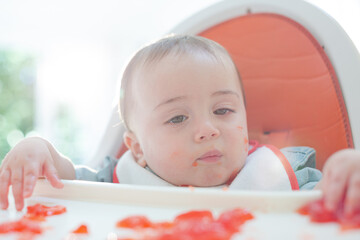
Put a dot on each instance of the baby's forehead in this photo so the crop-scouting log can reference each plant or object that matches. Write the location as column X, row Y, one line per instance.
column 173, row 73
column 149, row 70
column 156, row 62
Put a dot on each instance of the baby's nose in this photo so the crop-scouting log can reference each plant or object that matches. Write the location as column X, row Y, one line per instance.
column 206, row 132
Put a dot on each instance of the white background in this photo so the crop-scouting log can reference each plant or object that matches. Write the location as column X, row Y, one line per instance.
column 82, row 46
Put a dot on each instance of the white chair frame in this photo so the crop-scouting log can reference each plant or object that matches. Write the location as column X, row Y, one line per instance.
column 338, row 46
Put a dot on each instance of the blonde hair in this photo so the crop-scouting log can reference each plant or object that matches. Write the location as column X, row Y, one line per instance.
column 170, row 45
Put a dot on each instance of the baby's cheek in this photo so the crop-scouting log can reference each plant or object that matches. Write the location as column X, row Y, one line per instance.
column 174, row 154
column 241, row 134
column 246, row 144
column 176, row 158
column 241, row 138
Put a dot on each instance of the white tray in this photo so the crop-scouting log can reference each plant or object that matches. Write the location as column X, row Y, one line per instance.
column 101, row 205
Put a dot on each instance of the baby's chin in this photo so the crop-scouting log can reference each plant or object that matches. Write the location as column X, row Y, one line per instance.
column 211, row 184
column 208, row 177
column 206, row 182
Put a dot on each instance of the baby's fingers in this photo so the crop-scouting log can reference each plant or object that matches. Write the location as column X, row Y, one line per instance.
column 334, row 189
column 17, row 187
column 31, row 173
column 52, row 176
column 352, row 200
column 4, row 188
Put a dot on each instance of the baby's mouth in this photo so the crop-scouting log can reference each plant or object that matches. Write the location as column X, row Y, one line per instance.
column 210, row 157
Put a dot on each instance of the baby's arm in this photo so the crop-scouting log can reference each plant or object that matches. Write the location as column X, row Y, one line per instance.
column 341, row 180
column 25, row 163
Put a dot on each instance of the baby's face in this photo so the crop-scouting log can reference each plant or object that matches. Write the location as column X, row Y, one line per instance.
column 190, row 121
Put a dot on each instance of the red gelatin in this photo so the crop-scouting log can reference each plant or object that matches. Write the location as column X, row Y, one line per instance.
column 82, row 229
column 21, row 225
column 234, row 218
column 192, row 225
column 318, row 213
column 204, row 216
column 44, row 211
column 134, row 222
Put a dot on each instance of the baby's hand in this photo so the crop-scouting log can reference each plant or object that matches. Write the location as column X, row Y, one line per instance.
column 28, row 160
column 341, row 180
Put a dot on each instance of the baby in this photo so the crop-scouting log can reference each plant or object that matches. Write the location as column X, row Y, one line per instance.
column 183, row 107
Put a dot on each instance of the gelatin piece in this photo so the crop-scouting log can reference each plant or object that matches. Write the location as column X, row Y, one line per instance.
column 194, row 216
column 317, row 212
column 192, row 225
column 234, row 218
column 134, row 222
column 42, row 210
column 22, row 225
column 82, row 229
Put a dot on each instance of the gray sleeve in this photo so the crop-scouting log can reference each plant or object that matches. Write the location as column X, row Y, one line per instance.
column 302, row 160
column 105, row 174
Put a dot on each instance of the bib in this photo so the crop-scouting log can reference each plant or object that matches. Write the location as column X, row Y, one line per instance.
column 266, row 168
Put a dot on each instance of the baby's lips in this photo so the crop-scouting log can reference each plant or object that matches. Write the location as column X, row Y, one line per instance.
column 209, row 154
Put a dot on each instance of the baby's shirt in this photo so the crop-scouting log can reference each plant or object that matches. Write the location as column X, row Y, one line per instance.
column 300, row 159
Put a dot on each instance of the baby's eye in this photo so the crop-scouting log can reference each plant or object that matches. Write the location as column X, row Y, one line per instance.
column 223, row 111
column 177, row 119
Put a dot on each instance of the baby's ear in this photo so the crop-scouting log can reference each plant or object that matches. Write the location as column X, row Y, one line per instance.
column 133, row 144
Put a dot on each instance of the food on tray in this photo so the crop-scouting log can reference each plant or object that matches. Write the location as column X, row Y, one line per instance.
column 318, row 213
column 134, row 222
column 82, row 229
column 29, row 223
column 45, row 211
column 197, row 225
column 22, row 225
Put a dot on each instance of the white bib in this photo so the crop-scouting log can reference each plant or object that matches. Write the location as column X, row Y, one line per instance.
column 266, row 168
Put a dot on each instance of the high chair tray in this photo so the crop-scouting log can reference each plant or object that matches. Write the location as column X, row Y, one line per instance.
column 101, row 205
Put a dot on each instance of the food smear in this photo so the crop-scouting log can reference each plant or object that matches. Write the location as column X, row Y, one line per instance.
column 82, row 229
column 22, row 225
column 318, row 213
column 192, row 225
column 39, row 210
column 30, row 223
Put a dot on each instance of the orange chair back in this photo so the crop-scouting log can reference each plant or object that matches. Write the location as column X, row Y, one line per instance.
column 292, row 92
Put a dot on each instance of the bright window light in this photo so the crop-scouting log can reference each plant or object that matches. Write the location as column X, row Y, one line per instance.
column 81, row 48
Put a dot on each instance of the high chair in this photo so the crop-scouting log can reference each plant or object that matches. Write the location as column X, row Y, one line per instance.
column 300, row 71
